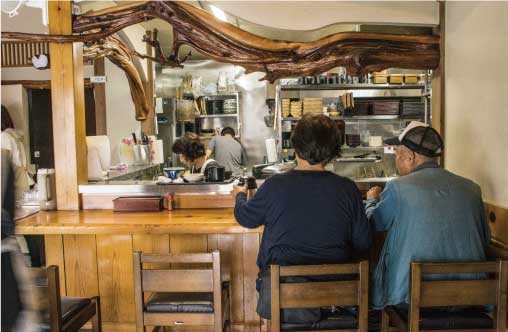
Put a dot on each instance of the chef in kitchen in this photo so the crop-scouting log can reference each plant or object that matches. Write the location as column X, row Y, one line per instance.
column 193, row 153
column 228, row 151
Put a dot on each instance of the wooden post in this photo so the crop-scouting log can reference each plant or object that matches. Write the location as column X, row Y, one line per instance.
column 100, row 98
column 148, row 125
column 68, row 108
column 438, row 81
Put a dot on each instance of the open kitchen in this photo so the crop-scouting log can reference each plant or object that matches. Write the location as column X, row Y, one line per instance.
column 158, row 130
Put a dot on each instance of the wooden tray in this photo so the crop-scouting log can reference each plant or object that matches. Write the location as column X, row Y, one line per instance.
column 137, row 203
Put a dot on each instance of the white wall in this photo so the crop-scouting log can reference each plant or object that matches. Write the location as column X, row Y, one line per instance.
column 476, row 110
column 309, row 15
column 120, row 112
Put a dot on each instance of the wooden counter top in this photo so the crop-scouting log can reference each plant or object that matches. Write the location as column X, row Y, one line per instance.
column 192, row 221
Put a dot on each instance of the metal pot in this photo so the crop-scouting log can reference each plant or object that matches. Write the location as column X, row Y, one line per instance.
column 215, row 174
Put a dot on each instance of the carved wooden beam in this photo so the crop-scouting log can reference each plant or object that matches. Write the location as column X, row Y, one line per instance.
column 119, row 54
column 359, row 52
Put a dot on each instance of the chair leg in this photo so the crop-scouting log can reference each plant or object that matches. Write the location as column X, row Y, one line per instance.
column 385, row 321
column 96, row 320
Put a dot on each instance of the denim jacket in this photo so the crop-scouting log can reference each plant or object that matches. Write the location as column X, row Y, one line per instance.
column 429, row 215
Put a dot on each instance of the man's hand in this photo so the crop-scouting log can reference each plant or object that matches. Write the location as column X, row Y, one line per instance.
column 239, row 189
column 374, row 193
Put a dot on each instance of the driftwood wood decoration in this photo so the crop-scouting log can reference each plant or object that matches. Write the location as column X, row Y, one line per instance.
column 359, row 52
column 119, row 54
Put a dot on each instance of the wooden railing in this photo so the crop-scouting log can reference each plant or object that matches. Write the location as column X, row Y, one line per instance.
column 19, row 53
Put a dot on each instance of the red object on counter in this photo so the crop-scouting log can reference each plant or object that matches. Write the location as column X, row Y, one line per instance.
column 170, row 200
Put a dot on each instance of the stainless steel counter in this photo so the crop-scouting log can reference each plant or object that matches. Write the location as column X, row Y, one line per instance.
column 130, row 173
column 152, row 188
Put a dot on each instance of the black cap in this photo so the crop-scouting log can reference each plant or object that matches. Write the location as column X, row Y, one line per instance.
column 419, row 138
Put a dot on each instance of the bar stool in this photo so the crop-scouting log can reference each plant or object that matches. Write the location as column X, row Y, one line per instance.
column 319, row 294
column 426, row 295
column 62, row 314
column 180, row 297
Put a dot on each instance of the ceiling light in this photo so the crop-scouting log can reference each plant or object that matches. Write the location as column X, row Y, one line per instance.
column 219, row 13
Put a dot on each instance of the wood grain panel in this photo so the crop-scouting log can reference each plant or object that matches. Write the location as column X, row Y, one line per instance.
column 213, row 242
column 204, row 201
column 54, row 248
column 180, row 243
column 231, row 250
column 189, row 319
column 68, row 108
column 81, row 265
column 147, row 125
column 116, row 284
column 250, row 272
column 497, row 217
column 99, row 69
column 318, row 294
column 458, row 292
column 152, row 244
column 173, row 281
column 199, row 221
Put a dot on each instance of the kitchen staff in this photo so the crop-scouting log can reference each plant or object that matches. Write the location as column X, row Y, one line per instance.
column 193, row 153
column 12, row 140
column 228, row 151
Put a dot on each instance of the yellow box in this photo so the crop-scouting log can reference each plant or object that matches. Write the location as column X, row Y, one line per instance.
column 380, row 79
column 411, row 79
column 396, row 79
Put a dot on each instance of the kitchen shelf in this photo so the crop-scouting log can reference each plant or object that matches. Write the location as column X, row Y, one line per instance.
column 370, row 125
column 298, row 87
column 217, row 116
column 363, row 117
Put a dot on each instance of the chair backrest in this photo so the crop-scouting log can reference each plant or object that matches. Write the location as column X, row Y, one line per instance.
column 439, row 292
column 46, row 294
column 320, row 293
column 175, row 280
column 186, row 280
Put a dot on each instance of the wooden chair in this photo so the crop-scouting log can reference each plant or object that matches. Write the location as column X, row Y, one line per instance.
column 318, row 294
column 180, row 297
column 445, row 293
column 62, row 314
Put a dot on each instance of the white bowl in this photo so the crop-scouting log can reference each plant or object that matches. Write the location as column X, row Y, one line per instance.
column 197, row 177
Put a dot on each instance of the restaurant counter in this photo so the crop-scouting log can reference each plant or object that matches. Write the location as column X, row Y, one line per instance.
column 100, row 195
column 93, row 250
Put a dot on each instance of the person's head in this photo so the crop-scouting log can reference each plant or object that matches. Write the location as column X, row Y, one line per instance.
column 190, row 148
column 228, row 131
column 6, row 119
column 316, row 139
column 416, row 145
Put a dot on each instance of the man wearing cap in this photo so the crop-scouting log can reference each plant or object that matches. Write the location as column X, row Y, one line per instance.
column 429, row 214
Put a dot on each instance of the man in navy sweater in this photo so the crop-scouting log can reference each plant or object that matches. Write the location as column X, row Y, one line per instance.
column 310, row 215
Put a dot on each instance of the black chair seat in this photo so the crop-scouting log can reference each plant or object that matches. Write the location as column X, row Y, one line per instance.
column 337, row 320
column 70, row 307
column 180, row 302
column 446, row 318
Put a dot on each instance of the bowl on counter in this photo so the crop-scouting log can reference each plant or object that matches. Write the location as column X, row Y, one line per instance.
column 197, row 177
column 172, row 172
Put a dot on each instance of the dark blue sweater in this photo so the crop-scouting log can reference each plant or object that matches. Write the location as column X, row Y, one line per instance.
column 310, row 217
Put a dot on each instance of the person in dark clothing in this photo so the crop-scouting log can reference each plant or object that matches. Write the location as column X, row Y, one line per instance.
column 193, row 153
column 310, row 215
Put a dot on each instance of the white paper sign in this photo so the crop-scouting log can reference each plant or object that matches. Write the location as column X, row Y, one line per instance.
column 98, row 79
